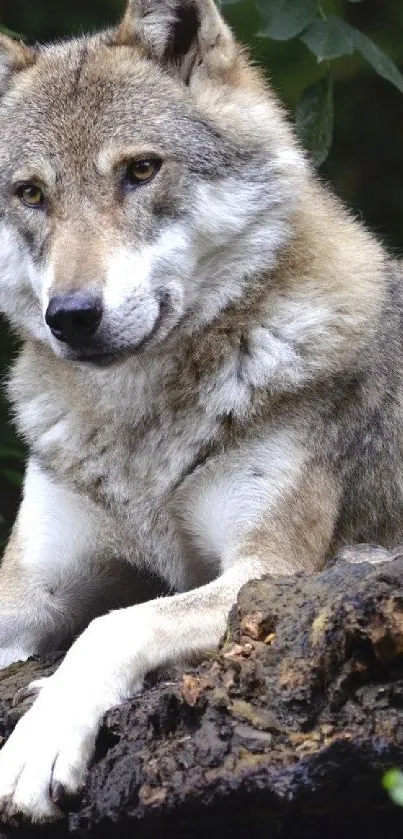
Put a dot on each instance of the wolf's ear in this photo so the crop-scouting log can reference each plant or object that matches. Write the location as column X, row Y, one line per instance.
column 181, row 34
column 14, row 56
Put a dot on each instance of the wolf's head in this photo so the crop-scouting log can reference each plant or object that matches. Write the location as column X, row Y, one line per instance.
column 147, row 175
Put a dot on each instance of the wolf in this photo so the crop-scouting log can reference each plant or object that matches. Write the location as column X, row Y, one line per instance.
column 210, row 374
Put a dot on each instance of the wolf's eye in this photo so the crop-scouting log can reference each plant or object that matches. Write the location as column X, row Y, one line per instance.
column 141, row 171
column 31, row 195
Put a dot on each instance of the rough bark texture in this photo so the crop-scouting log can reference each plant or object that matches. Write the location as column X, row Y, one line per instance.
column 285, row 732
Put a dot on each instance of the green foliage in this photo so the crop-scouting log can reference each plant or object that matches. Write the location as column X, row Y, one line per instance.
column 328, row 37
column 393, row 783
column 383, row 65
column 314, row 118
column 284, row 19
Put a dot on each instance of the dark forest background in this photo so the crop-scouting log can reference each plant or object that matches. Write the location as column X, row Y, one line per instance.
column 365, row 164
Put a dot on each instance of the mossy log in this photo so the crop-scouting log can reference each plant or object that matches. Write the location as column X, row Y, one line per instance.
column 285, row 732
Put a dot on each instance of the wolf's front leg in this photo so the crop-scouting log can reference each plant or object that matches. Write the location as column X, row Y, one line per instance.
column 46, row 758
column 47, row 755
column 52, row 581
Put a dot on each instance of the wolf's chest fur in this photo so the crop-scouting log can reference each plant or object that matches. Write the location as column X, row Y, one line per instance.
column 118, row 436
column 127, row 439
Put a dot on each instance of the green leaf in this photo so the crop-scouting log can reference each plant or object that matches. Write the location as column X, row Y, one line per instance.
column 328, row 38
column 383, row 65
column 333, row 37
column 314, row 119
column 284, row 19
column 392, row 781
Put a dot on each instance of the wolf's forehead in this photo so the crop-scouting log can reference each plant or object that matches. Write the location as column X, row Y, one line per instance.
column 85, row 97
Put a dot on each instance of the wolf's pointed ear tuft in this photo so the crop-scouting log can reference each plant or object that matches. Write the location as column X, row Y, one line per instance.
column 183, row 34
column 14, row 56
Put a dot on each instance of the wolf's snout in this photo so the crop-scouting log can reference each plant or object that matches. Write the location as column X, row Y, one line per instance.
column 74, row 318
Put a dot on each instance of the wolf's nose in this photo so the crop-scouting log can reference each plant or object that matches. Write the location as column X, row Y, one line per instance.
column 74, row 318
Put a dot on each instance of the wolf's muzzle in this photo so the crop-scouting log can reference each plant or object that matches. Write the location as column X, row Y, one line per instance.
column 74, row 318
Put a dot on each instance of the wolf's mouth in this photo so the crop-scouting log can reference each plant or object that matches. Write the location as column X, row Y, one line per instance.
column 100, row 359
column 111, row 355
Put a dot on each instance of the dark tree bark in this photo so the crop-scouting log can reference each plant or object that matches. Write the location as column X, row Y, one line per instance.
column 285, row 732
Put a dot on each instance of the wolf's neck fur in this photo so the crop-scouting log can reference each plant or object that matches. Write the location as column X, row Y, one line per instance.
column 301, row 317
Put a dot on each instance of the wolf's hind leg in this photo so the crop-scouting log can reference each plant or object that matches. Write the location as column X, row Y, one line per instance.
column 56, row 574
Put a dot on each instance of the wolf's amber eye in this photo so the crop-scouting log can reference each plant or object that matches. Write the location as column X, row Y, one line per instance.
column 31, row 195
column 141, row 171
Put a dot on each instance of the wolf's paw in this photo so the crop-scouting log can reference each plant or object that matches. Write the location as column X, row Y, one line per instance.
column 44, row 762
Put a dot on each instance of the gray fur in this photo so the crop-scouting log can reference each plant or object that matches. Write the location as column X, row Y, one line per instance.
column 237, row 412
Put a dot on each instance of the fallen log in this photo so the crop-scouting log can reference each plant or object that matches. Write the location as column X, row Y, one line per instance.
column 285, row 732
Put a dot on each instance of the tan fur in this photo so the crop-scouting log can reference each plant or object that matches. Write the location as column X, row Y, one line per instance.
column 299, row 541
column 19, row 56
column 83, row 268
